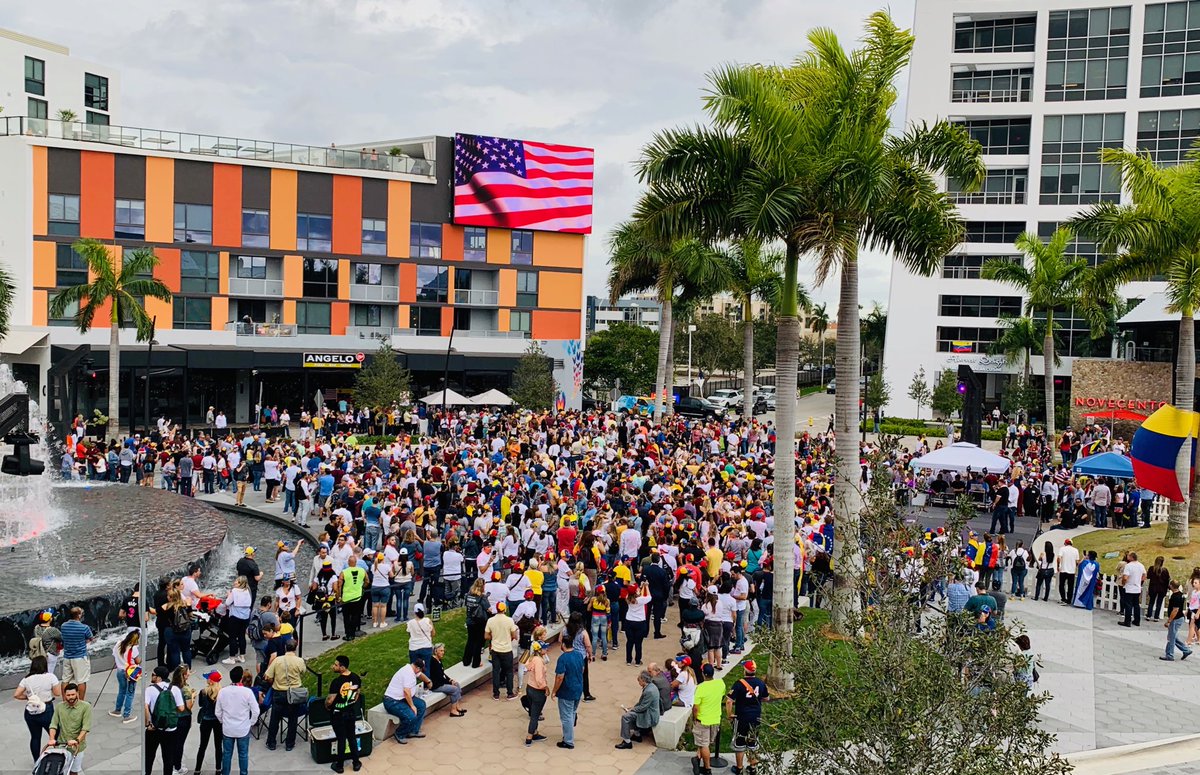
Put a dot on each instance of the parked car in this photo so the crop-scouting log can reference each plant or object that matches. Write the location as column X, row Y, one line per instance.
column 832, row 386
column 726, row 397
column 694, row 406
column 634, row 405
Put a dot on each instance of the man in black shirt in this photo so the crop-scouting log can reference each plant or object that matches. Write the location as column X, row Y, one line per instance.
column 659, row 578
column 1176, row 616
column 247, row 567
column 344, row 701
column 744, row 704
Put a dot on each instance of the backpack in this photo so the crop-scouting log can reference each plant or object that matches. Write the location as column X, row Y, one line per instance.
column 164, row 715
column 254, row 630
column 1018, row 562
column 181, row 622
column 37, row 648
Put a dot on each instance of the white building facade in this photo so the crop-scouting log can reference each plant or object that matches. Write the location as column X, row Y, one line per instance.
column 39, row 78
column 1043, row 86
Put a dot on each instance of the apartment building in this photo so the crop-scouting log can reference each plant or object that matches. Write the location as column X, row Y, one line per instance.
column 39, row 79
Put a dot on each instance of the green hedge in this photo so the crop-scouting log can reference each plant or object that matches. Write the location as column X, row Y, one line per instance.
column 370, row 441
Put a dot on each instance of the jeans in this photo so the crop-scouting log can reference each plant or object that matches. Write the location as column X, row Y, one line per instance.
column 1066, row 587
column 1018, row 581
column 372, row 540
column 599, row 633
column 126, row 689
column 210, row 729
column 280, row 710
column 257, row 475
column 346, row 739
column 1132, row 602
column 1154, row 604
column 243, row 752
column 998, row 578
column 1173, row 638
column 537, row 701
column 36, row 724
column 1000, row 517
column 289, row 500
column 410, row 722
column 1043, row 583
column 1101, row 516
column 502, row 672
column 179, row 648
column 635, row 633
column 401, row 592
column 739, row 630
column 567, row 709
column 237, row 635
column 166, row 742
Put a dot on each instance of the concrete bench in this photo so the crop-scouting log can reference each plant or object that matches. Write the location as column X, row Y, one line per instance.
column 670, row 727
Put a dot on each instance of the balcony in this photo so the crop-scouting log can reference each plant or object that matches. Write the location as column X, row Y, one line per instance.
column 219, row 146
column 990, row 95
column 378, row 333
column 270, row 330
column 461, row 333
column 243, row 286
column 476, row 298
column 374, row 292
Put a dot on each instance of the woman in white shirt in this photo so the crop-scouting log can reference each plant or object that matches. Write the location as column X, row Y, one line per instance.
column 683, row 682
column 239, row 605
column 287, row 600
column 271, row 475
column 420, row 635
column 636, row 626
column 38, row 689
column 381, row 589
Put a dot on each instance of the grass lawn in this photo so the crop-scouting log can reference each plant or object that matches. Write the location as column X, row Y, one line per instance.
column 1147, row 543
column 376, row 657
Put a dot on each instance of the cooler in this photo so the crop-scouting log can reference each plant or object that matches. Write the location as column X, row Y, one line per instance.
column 321, row 740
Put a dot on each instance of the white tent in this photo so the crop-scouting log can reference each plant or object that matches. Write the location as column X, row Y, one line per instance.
column 961, row 456
column 451, row 399
column 492, row 397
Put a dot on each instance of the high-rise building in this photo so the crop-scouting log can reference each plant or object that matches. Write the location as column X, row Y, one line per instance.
column 39, row 79
column 1043, row 86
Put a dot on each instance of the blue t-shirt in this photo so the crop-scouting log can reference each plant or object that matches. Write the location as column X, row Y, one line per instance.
column 570, row 667
column 75, row 636
column 433, row 554
column 326, row 483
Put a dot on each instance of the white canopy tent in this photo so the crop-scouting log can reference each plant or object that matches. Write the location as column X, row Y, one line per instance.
column 492, row 397
column 960, row 457
column 451, row 399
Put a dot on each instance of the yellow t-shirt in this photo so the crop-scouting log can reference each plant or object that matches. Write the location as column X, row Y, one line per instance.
column 501, row 628
column 536, row 577
column 708, row 699
column 600, row 607
column 623, row 573
column 714, row 557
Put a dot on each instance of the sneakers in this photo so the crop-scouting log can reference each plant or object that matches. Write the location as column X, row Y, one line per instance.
column 181, row 771
column 115, row 713
column 229, row 661
column 565, row 744
column 624, row 746
column 129, row 719
column 537, row 737
column 1167, row 659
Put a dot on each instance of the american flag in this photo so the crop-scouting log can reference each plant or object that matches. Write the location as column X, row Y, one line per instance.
column 516, row 184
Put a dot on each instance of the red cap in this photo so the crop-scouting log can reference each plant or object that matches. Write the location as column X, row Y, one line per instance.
column 749, row 666
column 529, row 594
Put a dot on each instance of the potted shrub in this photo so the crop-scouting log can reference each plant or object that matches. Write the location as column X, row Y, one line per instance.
column 67, row 117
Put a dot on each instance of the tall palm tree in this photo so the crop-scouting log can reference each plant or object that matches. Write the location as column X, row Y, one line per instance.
column 818, row 323
column 1051, row 282
column 1020, row 339
column 874, row 330
column 122, row 291
column 8, row 290
column 1157, row 233
column 641, row 260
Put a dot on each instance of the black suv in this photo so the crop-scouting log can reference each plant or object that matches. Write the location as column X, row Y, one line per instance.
column 690, row 406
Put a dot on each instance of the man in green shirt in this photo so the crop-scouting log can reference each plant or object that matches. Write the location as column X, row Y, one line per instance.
column 350, row 586
column 70, row 725
column 976, row 602
column 706, row 710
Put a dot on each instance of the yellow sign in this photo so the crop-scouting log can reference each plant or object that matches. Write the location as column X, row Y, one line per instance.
column 333, row 360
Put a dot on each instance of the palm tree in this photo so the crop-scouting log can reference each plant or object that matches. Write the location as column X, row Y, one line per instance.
column 1157, row 233
column 1051, row 282
column 818, row 323
column 641, row 260
column 1021, row 337
column 874, row 329
column 7, row 292
column 122, row 291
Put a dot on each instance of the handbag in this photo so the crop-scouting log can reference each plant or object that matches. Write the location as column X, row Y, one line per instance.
column 297, row 695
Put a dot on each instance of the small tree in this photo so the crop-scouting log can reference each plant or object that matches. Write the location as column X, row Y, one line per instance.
column 878, row 392
column 623, row 354
column 1020, row 396
column 946, row 399
column 918, row 390
column 383, row 381
column 533, row 381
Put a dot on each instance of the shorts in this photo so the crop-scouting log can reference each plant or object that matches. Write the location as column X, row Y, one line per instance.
column 706, row 734
column 77, row 671
column 380, row 594
column 745, row 735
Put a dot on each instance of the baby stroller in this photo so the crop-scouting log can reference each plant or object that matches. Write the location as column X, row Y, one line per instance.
column 211, row 638
column 54, row 761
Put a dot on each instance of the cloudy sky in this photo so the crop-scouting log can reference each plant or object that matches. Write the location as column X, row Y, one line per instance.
column 603, row 74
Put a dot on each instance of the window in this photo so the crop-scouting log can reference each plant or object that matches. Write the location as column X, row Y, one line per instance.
column 1000, row 136
column 1000, row 187
column 1073, row 334
column 193, row 223
column 71, row 268
column 977, row 338
column 522, row 247
column 1004, row 85
column 475, row 244
column 127, row 255
column 314, row 232
column 321, row 278
column 527, row 289
column 994, row 231
column 426, row 321
column 192, row 313
column 519, row 320
column 95, row 91
column 130, row 221
column 255, row 309
column 35, row 77
column 374, row 237
column 1080, row 246
column 199, row 272
column 38, row 109
column 958, row 266
column 433, row 283
column 97, row 119
column 312, row 317
column 366, row 274
column 426, row 240
column 64, row 215
column 1171, row 50
column 1071, row 170
column 256, row 228
column 1088, row 56
column 252, row 267
column 995, row 35
column 979, row 306
column 462, row 279
column 368, row 315
column 1168, row 134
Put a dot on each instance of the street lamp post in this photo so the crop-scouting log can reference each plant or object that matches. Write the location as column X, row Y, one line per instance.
column 691, row 329
column 149, row 351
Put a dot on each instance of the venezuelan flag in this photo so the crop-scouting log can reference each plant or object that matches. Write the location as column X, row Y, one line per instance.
column 962, row 347
column 1163, row 452
column 1091, row 449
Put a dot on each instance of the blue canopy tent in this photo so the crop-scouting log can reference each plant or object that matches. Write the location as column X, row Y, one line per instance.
column 1112, row 464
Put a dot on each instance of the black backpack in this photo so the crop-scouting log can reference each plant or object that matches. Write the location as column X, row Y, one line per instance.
column 1019, row 562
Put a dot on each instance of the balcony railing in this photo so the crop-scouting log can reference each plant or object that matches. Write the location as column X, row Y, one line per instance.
column 476, row 298
column 374, row 292
column 382, row 333
column 990, row 95
column 461, row 332
column 216, row 145
column 242, row 328
column 246, row 286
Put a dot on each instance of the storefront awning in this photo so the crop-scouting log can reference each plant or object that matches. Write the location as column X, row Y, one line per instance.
column 18, row 342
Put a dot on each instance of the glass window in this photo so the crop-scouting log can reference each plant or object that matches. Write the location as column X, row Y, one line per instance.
column 979, row 306
column 1071, row 168
column 63, row 215
column 127, row 255
column 256, row 228
column 71, row 268
column 35, row 77
column 1168, row 135
column 978, row 338
column 367, row 274
column 95, row 91
column 374, row 237
column 527, row 289
column 1002, row 85
column 519, row 320
column 957, row 266
column 994, row 231
column 1088, row 54
column 192, row 313
column 252, row 267
column 199, row 272
column 1171, row 50
column 130, row 220
column 995, row 35
column 368, row 315
column 1080, row 247
column 312, row 317
column 314, row 232
column 321, row 278
column 426, row 321
column 522, row 247
column 38, row 109
column 433, row 283
column 475, row 244
column 97, row 119
column 193, row 223
column 462, row 279
column 1002, row 187
column 1000, row 136
column 426, row 240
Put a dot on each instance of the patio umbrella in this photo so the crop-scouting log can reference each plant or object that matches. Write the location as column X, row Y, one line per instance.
column 492, row 397
column 451, row 399
column 960, row 457
column 1112, row 464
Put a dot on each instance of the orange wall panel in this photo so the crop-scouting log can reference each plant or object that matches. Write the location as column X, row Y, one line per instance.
column 160, row 199
column 220, row 312
column 560, row 290
column 343, row 279
column 293, row 274
column 503, row 319
column 45, row 273
column 347, row 214
column 162, row 312
column 289, row 311
column 547, row 324
column 508, row 288
column 97, row 203
column 447, row 320
column 499, row 246
column 399, row 218
column 168, row 267
column 103, row 317
column 283, row 210
column 41, row 193
column 402, row 316
column 339, row 318
column 227, row 205
column 41, row 307
column 408, row 282
column 552, row 249
column 452, row 242
column 223, row 272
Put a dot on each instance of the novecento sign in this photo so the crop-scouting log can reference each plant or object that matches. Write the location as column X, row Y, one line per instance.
column 1092, row 402
column 333, row 360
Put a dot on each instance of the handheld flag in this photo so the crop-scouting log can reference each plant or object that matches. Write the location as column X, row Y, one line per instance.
column 1163, row 452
